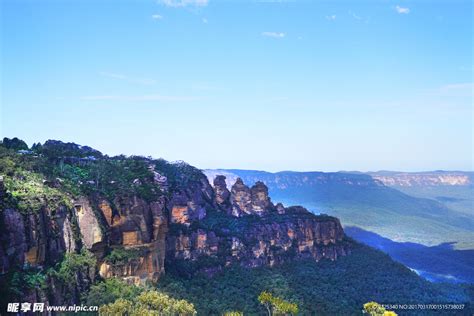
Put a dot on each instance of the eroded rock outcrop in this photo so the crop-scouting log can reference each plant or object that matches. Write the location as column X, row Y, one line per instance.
column 89, row 226
column 241, row 198
column 137, row 228
column 264, row 240
column 189, row 204
column 221, row 191
column 260, row 201
column 35, row 239
column 254, row 232
column 139, row 224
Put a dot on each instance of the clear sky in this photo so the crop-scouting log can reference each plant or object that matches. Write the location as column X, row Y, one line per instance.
column 270, row 85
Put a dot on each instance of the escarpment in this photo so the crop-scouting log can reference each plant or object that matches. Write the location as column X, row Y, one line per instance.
column 247, row 229
column 138, row 217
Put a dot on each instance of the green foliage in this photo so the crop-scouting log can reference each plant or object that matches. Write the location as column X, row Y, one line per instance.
column 56, row 149
column 27, row 189
column 189, row 268
column 7, row 163
column 30, row 194
column 148, row 303
column 375, row 309
column 318, row 288
column 459, row 198
column 26, row 279
column 72, row 265
column 119, row 307
column 21, row 282
column 180, row 174
column 276, row 305
column 109, row 291
column 233, row 313
column 14, row 143
column 58, row 171
column 120, row 255
column 226, row 225
column 110, row 177
column 73, row 170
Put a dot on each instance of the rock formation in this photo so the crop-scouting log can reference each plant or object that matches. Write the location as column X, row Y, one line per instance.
column 134, row 238
column 241, row 199
column 221, row 191
column 264, row 242
column 139, row 228
column 275, row 233
column 256, row 233
column 260, row 200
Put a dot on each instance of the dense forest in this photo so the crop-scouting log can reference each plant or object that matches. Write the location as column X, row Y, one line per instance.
column 319, row 288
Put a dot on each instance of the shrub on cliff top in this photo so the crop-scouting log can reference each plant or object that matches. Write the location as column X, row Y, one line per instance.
column 31, row 194
column 120, row 256
column 233, row 313
column 28, row 190
column 14, row 143
column 56, row 149
column 276, row 305
column 180, row 174
column 148, row 303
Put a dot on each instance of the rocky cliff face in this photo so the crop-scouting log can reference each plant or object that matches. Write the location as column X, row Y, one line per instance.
column 35, row 242
column 128, row 225
column 263, row 242
column 251, row 231
column 190, row 223
column 36, row 239
column 139, row 228
column 242, row 200
column 189, row 204
column 247, row 229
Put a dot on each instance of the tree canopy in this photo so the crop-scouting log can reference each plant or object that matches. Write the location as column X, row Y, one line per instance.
column 148, row 303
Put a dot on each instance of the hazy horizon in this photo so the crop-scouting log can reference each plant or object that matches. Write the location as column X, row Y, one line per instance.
column 262, row 170
column 261, row 85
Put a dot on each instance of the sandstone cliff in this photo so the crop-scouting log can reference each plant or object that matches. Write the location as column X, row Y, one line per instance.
column 139, row 217
column 247, row 229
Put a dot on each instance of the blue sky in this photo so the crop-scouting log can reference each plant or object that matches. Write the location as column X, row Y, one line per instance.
column 270, row 85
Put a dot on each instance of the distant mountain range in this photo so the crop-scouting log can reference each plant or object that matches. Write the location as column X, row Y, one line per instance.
column 454, row 189
column 425, row 208
column 429, row 178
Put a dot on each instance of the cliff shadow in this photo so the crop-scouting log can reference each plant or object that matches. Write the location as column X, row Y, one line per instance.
column 441, row 263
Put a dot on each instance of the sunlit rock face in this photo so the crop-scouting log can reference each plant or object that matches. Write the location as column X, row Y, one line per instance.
column 195, row 223
column 260, row 199
column 241, row 199
column 254, row 232
column 142, row 218
column 148, row 264
column 137, row 227
column 88, row 223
